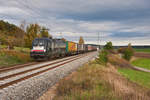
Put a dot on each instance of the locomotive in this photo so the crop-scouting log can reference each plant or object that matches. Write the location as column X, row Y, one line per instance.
column 46, row 48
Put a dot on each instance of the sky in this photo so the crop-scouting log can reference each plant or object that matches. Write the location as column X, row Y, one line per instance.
column 119, row 21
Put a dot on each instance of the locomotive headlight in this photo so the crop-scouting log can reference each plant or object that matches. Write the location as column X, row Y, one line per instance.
column 32, row 50
column 44, row 50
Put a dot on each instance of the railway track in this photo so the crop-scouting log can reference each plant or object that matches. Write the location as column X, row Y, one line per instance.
column 4, row 69
column 19, row 73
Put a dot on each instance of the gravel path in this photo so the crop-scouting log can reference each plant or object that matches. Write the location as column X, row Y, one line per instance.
column 141, row 69
column 33, row 88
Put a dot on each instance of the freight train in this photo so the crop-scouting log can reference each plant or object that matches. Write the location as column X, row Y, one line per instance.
column 46, row 48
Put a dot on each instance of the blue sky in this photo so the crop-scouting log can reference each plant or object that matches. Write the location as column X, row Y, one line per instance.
column 119, row 21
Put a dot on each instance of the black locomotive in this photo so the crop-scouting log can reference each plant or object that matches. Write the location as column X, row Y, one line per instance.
column 45, row 48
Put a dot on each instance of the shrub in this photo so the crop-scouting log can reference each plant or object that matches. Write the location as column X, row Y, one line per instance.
column 113, row 51
column 127, row 54
column 121, row 50
column 103, row 57
column 108, row 46
column 117, row 61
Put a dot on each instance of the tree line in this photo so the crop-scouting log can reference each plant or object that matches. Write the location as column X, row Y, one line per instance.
column 22, row 36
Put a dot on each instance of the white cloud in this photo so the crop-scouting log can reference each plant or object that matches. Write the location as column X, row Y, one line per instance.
column 140, row 29
column 101, row 26
column 68, row 17
column 13, row 11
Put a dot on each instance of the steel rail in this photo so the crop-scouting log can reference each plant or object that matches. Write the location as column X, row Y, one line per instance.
column 16, row 66
column 29, row 70
column 2, row 69
column 37, row 73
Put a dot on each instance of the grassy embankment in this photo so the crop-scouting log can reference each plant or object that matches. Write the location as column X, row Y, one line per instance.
column 139, row 77
column 99, row 81
column 142, row 62
column 12, row 57
column 86, row 84
column 143, row 50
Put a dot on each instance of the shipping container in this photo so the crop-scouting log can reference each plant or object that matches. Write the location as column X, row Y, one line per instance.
column 71, row 46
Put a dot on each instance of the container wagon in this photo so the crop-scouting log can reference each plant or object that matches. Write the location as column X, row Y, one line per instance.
column 71, row 48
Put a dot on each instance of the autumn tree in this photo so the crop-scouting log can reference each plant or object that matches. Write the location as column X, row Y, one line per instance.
column 44, row 32
column 7, row 40
column 130, row 47
column 81, row 40
column 32, row 32
column 63, row 39
column 11, row 42
column 11, row 34
column 2, row 38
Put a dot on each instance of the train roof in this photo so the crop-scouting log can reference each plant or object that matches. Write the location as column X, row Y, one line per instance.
column 43, row 38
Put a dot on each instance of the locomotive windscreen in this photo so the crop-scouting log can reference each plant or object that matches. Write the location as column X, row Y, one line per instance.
column 39, row 42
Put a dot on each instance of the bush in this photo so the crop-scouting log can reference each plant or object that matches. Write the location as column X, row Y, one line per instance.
column 117, row 61
column 103, row 57
column 127, row 54
column 108, row 46
column 113, row 51
column 121, row 50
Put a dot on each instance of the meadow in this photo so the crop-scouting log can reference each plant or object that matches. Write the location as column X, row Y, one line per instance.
column 139, row 77
column 143, row 50
column 142, row 62
column 18, row 55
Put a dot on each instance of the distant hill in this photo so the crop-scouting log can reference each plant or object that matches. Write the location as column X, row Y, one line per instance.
column 11, row 34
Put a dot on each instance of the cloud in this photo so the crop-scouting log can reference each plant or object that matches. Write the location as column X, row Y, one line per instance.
column 13, row 11
column 120, row 21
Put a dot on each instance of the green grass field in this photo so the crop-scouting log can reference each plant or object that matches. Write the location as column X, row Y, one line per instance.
column 9, row 60
column 13, row 57
column 141, row 78
column 143, row 50
column 142, row 62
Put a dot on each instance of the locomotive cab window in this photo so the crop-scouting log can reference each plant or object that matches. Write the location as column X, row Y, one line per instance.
column 35, row 43
column 42, row 42
column 39, row 42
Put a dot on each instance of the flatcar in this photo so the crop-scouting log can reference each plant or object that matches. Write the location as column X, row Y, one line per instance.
column 46, row 48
